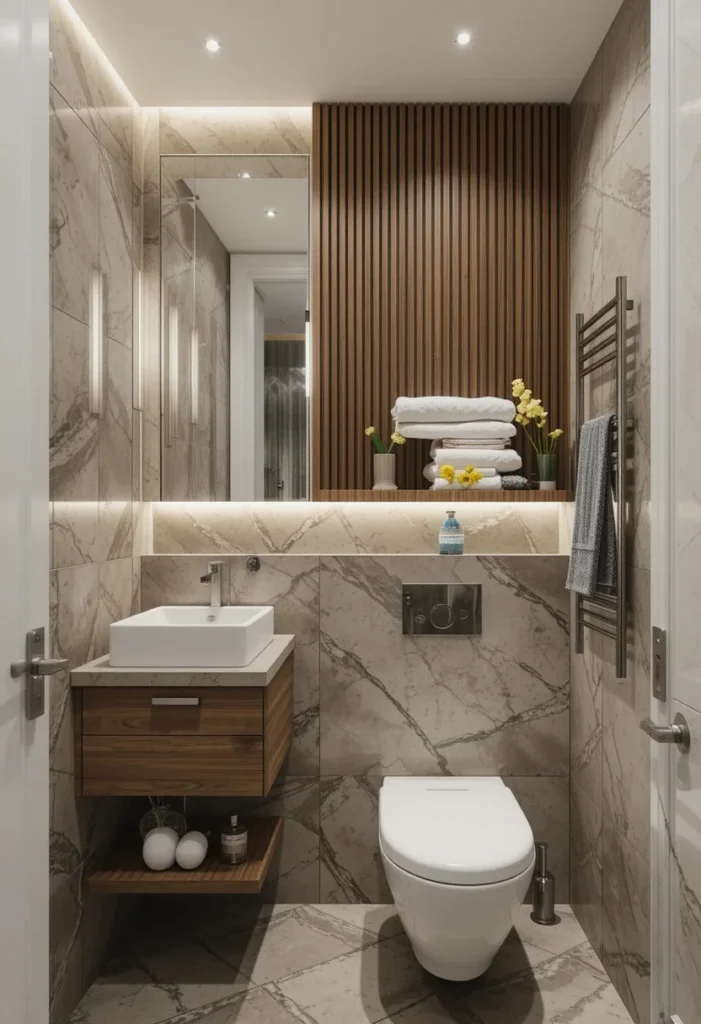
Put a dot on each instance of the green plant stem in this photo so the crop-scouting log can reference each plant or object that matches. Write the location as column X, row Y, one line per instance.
column 533, row 444
column 379, row 444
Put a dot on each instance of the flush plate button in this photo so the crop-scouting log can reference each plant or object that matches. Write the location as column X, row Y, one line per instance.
column 442, row 609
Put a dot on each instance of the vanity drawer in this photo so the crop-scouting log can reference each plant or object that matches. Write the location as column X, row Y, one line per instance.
column 172, row 765
column 131, row 711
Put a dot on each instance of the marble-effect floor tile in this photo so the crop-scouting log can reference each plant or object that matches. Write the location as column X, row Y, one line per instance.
column 343, row 964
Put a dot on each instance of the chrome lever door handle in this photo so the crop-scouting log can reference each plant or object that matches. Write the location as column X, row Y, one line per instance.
column 38, row 667
column 49, row 666
column 678, row 732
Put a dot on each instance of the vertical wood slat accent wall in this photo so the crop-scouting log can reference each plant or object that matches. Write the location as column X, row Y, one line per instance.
column 439, row 266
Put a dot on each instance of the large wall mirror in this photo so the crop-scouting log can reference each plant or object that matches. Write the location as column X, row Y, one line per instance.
column 234, row 323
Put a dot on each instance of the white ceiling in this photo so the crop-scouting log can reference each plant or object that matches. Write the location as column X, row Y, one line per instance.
column 282, row 53
column 285, row 304
column 235, row 208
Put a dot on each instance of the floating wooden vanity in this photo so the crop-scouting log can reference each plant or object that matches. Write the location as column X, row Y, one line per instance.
column 150, row 732
column 189, row 732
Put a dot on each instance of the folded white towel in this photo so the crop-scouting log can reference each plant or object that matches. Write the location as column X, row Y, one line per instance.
column 495, row 443
column 466, row 428
column 488, row 484
column 504, row 461
column 449, row 409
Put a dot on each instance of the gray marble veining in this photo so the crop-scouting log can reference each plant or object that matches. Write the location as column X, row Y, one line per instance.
column 610, row 236
column 347, row 964
column 95, row 208
column 493, row 704
column 261, row 671
column 349, row 529
column 74, row 210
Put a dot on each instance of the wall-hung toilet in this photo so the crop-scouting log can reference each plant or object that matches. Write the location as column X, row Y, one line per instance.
column 459, row 856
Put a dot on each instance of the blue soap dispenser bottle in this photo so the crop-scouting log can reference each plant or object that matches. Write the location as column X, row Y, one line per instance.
column 451, row 539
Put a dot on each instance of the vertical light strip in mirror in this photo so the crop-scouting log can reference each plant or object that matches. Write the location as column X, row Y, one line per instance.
column 194, row 377
column 95, row 386
column 173, row 365
column 137, row 354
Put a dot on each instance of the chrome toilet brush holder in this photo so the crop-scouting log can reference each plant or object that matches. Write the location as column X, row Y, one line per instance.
column 543, row 889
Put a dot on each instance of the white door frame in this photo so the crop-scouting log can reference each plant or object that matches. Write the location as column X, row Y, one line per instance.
column 246, row 452
column 660, row 481
column 24, row 505
column 669, row 774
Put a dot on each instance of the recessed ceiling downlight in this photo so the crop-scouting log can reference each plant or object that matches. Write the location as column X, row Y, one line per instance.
column 463, row 38
column 271, row 213
column 212, row 46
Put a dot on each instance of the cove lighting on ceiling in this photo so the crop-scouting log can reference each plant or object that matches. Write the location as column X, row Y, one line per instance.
column 212, row 46
column 463, row 38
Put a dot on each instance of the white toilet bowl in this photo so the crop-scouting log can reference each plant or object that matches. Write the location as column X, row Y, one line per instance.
column 459, row 856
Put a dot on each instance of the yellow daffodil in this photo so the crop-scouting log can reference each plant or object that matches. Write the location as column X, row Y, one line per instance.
column 447, row 473
column 369, row 431
column 530, row 411
column 398, row 438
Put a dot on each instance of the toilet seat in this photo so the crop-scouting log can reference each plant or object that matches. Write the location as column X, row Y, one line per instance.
column 461, row 831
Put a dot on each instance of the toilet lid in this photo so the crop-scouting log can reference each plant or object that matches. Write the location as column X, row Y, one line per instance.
column 460, row 831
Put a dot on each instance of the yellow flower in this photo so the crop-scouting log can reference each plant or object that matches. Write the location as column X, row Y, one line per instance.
column 521, row 419
column 518, row 387
column 534, row 410
column 463, row 477
column 555, row 433
column 398, row 438
column 369, row 431
column 447, row 473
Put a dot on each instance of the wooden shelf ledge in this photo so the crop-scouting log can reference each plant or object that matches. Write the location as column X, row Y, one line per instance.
column 445, row 497
column 125, row 872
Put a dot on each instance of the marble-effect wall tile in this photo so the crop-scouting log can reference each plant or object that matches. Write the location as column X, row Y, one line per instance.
column 489, row 704
column 74, row 429
column 96, row 176
column 610, row 225
column 236, row 130
column 74, row 210
column 348, row 529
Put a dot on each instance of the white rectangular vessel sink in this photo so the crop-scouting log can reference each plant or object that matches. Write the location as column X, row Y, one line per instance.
column 191, row 637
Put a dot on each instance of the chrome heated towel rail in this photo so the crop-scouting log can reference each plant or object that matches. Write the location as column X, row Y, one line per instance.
column 601, row 341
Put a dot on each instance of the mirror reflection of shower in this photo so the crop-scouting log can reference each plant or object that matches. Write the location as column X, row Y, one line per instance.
column 285, row 384
column 235, row 332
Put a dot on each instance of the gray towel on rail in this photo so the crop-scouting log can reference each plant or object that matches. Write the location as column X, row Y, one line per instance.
column 593, row 557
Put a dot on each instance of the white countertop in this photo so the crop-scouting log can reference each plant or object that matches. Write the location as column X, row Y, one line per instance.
column 260, row 672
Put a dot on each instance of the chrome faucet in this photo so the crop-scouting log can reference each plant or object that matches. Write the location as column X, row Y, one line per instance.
column 213, row 577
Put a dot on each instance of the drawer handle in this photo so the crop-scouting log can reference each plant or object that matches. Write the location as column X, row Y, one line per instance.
column 179, row 702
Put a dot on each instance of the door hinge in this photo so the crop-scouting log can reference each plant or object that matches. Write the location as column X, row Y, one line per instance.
column 659, row 667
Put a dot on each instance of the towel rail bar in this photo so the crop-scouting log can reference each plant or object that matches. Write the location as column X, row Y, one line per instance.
column 605, row 613
column 611, row 633
column 611, row 358
column 597, row 316
column 611, row 322
column 601, row 347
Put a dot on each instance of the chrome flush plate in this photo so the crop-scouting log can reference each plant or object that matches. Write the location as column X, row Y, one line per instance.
column 447, row 609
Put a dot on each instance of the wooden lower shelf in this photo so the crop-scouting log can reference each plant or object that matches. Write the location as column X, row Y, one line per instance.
column 445, row 497
column 125, row 872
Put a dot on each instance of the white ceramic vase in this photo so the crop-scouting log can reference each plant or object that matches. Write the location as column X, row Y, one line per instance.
column 384, row 471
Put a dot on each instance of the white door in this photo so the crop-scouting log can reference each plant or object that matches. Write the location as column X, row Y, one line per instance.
column 24, row 503
column 676, row 504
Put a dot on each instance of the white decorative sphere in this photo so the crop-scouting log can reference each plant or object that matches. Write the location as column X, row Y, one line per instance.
column 159, row 848
column 191, row 850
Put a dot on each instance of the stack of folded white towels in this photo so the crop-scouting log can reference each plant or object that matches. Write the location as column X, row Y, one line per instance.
column 465, row 432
